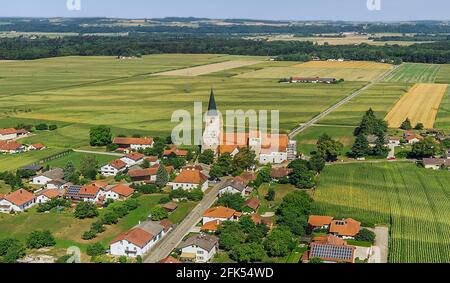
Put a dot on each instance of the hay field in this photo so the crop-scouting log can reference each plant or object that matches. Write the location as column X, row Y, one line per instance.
column 349, row 71
column 414, row 73
column 208, row 69
column 420, row 104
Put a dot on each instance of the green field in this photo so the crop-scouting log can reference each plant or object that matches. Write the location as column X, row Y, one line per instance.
column 443, row 116
column 415, row 203
column 380, row 97
column 414, row 73
column 77, row 157
column 12, row 162
column 443, row 77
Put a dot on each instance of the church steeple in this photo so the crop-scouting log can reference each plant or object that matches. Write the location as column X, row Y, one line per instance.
column 212, row 109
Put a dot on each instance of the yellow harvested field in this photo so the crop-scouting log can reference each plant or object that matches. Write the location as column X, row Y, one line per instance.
column 208, row 69
column 420, row 105
column 344, row 65
column 349, row 71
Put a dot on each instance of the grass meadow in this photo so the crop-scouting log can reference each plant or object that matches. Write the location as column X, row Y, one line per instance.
column 414, row 73
column 413, row 201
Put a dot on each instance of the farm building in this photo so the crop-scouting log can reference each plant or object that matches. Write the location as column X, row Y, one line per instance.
column 199, row 248
column 55, row 174
column 147, row 175
column 331, row 249
column 313, row 80
column 11, row 147
column 345, row 229
column 12, row 134
column 133, row 144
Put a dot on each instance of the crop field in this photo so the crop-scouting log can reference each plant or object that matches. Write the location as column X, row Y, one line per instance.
column 77, row 157
column 420, row 104
column 208, row 69
column 414, row 202
column 349, row 71
column 443, row 76
column 414, row 73
column 381, row 97
column 443, row 116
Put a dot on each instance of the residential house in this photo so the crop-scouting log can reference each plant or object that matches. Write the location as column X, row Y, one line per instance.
column 113, row 168
column 190, row 179
column 12, row 134
column 147, row 175
column 331, row 249
column 133, row 158
column 199, row 248
column 233, row 186
column 220, row 213
column 91, row 193
column 51, row 175
column 133, row 144
column 152, row 160
column 17, row 201
column 395, row 141
column 47, row 195
column 345, row 229
column 411, row 137
column 11, row 147
column 436, row 163
column 253, row 203
column 319, row 221
column 118, row 192
column 57, row 184
column 174, row 150
column 140, row 239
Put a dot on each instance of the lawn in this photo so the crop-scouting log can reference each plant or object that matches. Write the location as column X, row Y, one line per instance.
column 77, row 157
column 414, row 73
column 16, row 161
column 280, row 192
column 414, row 202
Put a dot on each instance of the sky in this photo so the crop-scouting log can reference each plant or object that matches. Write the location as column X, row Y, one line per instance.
column 349, row 10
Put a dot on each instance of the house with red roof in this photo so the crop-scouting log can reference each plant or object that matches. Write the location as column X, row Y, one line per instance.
column 133, row 144
column 133, row 158
column 174, row 150
column 17, row 201
column 12, row 134
column 140, row 239
column 11, row 147
column 113, row 168
column 189, row 180
column 47, row 195
column 221, row 214
column 37, row 146
column 147, row 175
column 320, row 221
column 118, row 192
column 345, row 228
column 91, row 192
column 331, row 249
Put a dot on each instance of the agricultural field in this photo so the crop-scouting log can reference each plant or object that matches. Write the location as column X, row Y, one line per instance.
column 349, row 71
column 414, row 73
column 420, row 105
column 16, row 161
column 443, row 116
column 443, row 76
column 381, row 97
column 208, row 69
column 414, row 202
column 77, row 157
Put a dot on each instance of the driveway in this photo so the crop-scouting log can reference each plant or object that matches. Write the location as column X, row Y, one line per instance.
column 381, row 246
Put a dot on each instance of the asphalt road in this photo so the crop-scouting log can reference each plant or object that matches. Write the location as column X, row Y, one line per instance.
column 316, row 119
column 163, row 248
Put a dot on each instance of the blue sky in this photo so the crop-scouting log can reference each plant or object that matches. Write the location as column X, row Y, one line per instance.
column 391, row 10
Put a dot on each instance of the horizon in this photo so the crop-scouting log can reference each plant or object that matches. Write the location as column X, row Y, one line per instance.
column 264, row 10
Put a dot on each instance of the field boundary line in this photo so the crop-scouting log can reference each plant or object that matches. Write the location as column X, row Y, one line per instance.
column 317, row 118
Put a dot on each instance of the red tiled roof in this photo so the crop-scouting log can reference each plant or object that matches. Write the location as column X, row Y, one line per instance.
column 319, row 221
column 118, row 164
column 11, row 131
column 176, row 151
column 220, row 212
column 100, row 184
column 130, row 141
column 250, row 176
column 38, row 146
column 191, row 177
column 282, row 172
column 135, row 156
column 169, row 259
column 50, row 193
column 211, row 226
column 123, row 190
column 167, row 224
column 90, row 190
column 10, row 145
column 253, row 203
column 346, row 227
column 136, row 236
column 151, row 158
column 19, row 197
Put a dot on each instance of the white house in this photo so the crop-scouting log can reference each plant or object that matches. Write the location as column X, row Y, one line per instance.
column 17, row 201
column 113, row 168
column 44, row 178
column 220, row 214
column 189, row 180
column 12, row 134
column 272, row 157
column 12, row 147
column 233, row 186
column 92, row 193
column 152, row 160
column 47, row 195
column 134, row 144
column 199, row 248
column 118, row 192
column 133, row 159
column 140, row 239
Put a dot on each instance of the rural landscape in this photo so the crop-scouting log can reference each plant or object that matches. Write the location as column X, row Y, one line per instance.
column 89, row 170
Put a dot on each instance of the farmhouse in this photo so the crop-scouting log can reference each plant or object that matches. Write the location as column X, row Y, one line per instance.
column 318, row 221
column 436, row 163
column 140, row 239
column 175, row 151
column 118, row 192
column 345, row 229
column 220, row 213
column 55, row 174
column 147, row 175
column 11, row 147
column 113, row 168
column 190, row 179
column 133, row 159
column 133, row 144
column 331, row 249
column 199, row 248
column 233, row 186
column 313, row 80
column 47, row 195
column 411, row 137
column 17, row 201
column 12, row 134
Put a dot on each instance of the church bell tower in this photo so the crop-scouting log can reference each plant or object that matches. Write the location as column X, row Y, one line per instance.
column 211, row 135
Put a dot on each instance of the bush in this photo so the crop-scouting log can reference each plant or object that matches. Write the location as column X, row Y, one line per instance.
column 110, row 218
column 95, row 249
column 123, row 259
column 158, row 213
column 365, row 235
column 147, row 189
column 89, row 235
column 97, row 227
column 42, row 127
column 52, row 127
column 40, row 239
column 85, row 210
column 164, row 200
column 100, row 136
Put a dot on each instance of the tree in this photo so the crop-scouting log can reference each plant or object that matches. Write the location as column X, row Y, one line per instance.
column 162, row 177
column 328, row 148
column 225, row 162
column 419, row 126
column 426, row 148
column 293, row 212
column 245, row 159
column 95, row 249
column 365, row 235
column 11, row 250
column 263, row 176
column 158, row 213
column 69, row 170
column 371, row 125
column 271, row 194
column 246, row 253
column 234, row 201
column 206, row 157
column 110, row 218
column 231, row 235
column 40, row 239
column 195, row 195
column 42, row 127
column 216, row 171
column 406, row 125
column 85, row 210
column 100, row 136
column 89, row 167
column 279, row 242
column 123, row 259
column 361, row 147
column 301, row 177
column 317, row 163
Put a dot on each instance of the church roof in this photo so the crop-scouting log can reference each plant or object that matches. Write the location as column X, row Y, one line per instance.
column 212, row 109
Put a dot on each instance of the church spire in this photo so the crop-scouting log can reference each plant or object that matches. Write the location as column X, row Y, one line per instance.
column 212, row 109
